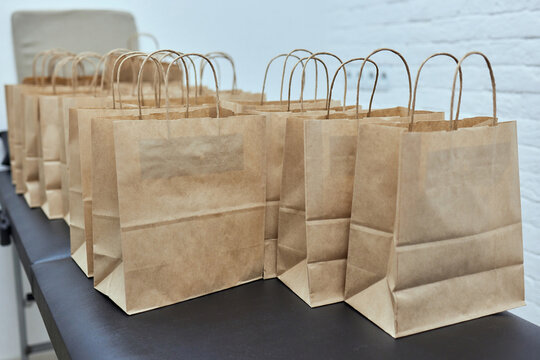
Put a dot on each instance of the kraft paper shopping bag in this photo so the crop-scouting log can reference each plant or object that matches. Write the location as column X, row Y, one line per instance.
column 190, row 201
column 435, row 238
column 212, row 231
column 82, row 109
column 276, row 113
column 316, row 196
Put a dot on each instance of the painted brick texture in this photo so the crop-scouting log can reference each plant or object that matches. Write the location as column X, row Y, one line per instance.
column 507, row 32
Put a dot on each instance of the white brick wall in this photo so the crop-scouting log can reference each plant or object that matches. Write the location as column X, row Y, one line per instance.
column 508, row 32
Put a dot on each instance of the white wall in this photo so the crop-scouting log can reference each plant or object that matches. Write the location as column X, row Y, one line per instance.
column 507, row 32
column 252, row 32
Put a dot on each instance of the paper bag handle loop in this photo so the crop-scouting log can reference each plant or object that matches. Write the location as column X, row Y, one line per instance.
column 175, row 60
column 268, row 67
column 304, row 65
column 104, row 61
column 160, row 67
column 357, row 98
column 218, row 55
column 49, row 61
column 493, row 88
column 165, row 53
column 52, row 61
column 85, row 56
column 215, row 81
column 40, row 55
column 418, row 77
column 167, row 101
column 157, row 71
column 59, row 65
column 45, row 56
column 327, row 91
column 117, row 69
column 406, row 68
column 182, row 86
column 37, row 57
column 138, row 35
column 193, row 66
column 285, row 67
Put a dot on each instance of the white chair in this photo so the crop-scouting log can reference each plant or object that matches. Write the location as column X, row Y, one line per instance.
column 73, row 30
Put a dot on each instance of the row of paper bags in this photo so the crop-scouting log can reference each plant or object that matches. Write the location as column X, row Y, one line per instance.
column 412, row 220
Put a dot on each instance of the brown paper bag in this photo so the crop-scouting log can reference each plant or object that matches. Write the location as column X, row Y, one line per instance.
column 241, row 106
column 90, row 100
column 27, row 145
column 54, row 116
column 78, row 98
column 31, row 140
column 53, row 155
column 81, row 192
column 31, row 150
column 23, row 144
column 79, row 156
column 196, row 226
column 81, row 100
column 15, row 104
column 24, row 132
column 32, row 144
column 276, row 113
column 10, row 115
column 102, row 237
column 80, row 170
column 240, row 95
column 315, row 205
column 316, row 195
column 79, row 110
column 435, row 237
column 15, row 107
column 275, row 139
column 54, row 167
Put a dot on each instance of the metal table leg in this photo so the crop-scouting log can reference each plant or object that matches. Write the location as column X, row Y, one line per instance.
column 22, row 303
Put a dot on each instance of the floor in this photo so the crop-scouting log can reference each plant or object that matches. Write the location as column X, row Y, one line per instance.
column 49, row 355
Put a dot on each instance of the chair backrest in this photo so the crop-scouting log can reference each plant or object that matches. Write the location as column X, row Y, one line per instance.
column 73, row 30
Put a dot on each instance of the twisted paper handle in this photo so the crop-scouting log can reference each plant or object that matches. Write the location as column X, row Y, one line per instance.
column 268, row 67
column 180, row 57
column 285, row 67
column 408, row 77
column 327, row 90
column 217, row 55
column 493, row 88
column 357, row 98
column 416, row 86
column 304, row 66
